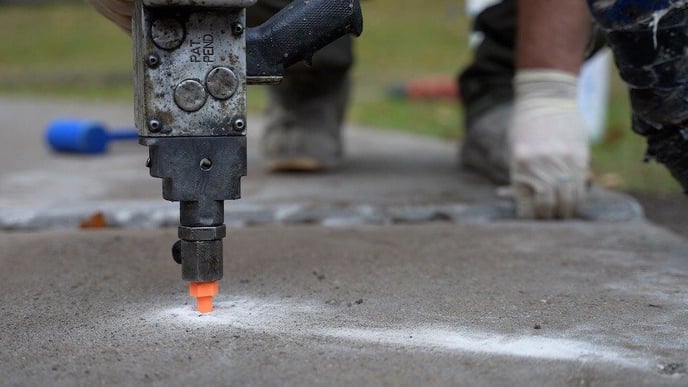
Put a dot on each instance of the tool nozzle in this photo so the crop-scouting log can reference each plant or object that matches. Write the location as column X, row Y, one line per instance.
column 204, row 292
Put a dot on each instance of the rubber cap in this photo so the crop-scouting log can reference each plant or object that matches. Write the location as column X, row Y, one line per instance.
column 76, row 136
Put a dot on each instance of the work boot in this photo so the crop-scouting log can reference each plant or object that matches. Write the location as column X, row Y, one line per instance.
column 305, row 114
column 487, row 93
column 484, row 148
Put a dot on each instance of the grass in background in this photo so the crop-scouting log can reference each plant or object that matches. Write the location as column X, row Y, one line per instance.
column 63, row 49
column 404, row 40
column 67, row 50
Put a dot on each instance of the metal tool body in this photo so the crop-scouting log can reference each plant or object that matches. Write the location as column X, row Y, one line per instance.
column 193, row 61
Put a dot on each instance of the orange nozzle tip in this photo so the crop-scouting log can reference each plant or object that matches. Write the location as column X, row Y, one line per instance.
column 204, row 292
column 205, row 304
column 203, row 289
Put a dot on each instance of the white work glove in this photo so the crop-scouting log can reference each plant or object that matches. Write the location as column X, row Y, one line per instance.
column 119, row 11
column 548, row 145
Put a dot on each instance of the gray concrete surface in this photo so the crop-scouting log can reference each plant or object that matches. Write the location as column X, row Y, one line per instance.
column 389, row 178
column 464, row 296
column 435, row 304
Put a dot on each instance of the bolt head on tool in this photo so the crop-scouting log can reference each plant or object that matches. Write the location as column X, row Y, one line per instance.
column 239, row 124
column 221, row 82
column 154, row 126
column 201, row 260
column 190, row 95
column 153, row 61
column 206, row 164
column 237, row 29
column 167, row 33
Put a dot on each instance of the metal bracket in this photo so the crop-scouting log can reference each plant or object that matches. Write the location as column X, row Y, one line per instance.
column 191, row 69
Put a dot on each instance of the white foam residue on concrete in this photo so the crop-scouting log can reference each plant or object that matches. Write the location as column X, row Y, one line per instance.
column 313, row 319
column 245, row 313
column 490, row 343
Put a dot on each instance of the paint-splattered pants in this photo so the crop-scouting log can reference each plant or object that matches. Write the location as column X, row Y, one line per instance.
column 650, row 43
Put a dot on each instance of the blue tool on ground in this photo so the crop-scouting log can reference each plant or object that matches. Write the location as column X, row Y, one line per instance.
column 83, row 136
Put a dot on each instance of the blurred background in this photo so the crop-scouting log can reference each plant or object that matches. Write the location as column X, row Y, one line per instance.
column 63, row 49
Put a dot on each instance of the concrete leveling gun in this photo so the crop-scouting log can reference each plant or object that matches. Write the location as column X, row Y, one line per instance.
column 193, row 60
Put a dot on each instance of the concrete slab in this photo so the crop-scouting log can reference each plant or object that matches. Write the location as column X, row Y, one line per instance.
column 455, row 299
column 389, row 178
column 434, row 304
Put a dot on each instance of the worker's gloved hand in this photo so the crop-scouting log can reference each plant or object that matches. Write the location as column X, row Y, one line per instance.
column 119, row 11
column 548, row 144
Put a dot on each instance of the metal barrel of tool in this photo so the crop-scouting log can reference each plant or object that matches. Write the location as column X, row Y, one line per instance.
column 193, row 61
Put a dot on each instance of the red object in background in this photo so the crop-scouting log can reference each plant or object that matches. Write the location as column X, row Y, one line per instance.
column 95, row 221
column 431, row 88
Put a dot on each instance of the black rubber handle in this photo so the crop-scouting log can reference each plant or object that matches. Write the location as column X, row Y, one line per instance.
column 297, row 31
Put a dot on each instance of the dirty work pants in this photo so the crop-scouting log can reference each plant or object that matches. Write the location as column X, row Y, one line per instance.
column 650, row 41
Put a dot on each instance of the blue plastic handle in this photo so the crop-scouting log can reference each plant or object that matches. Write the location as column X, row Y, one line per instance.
column 81, row 136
